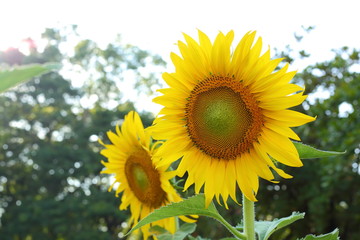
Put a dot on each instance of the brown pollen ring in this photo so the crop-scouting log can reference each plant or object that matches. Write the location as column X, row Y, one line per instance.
column 223, row 118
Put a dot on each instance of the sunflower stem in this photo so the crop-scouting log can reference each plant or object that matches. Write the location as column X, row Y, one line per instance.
column 232, row 229
column 249, row 218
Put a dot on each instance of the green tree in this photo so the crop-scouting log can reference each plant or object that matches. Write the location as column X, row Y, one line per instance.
column 326, row 189
column 50, row 186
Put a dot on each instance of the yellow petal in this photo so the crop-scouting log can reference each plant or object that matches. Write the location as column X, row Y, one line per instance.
column 281, row 149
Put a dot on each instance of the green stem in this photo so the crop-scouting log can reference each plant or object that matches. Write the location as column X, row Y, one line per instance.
column 249, row 218
column 233, row 230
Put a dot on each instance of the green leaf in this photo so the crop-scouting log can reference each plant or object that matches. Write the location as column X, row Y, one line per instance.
column 334, row 235
column 15, row 76
column 306, row 151
column 157, row 230
column 192, row 206
column 264, row 229
column 180, row 234
column 199, row 238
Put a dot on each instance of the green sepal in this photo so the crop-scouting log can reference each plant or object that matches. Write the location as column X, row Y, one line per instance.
column 183, row 231
column 334, row 235
column 194, row 205
column 11, row 77
column 265, row 229
column 306, row 151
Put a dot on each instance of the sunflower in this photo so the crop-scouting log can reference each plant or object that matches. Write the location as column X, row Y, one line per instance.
column 226, row 115
column 144, row 186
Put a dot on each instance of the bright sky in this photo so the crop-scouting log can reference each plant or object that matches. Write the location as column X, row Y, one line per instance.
column 156, row 25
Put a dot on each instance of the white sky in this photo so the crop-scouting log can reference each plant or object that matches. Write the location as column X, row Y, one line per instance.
column 156, row 25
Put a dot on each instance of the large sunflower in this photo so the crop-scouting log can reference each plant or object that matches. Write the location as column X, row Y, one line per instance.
column 225, row 113
column 144, row 185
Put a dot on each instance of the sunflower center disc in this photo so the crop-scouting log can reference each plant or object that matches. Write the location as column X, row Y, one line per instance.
column 223, row 118
column 144, row 179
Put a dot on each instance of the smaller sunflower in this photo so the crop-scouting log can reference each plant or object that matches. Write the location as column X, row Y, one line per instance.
column 144, row 186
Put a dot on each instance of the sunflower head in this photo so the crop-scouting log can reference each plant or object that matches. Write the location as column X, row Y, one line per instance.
column 226, row 113
column 144, row 185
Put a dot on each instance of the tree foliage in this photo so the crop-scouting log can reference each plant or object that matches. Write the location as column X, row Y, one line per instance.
column 326, row 189
column 50, row 186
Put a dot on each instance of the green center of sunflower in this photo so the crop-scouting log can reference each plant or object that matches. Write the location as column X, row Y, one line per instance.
column 223, row 117
column 140, row 177
column 221, row 114
column 144, row 179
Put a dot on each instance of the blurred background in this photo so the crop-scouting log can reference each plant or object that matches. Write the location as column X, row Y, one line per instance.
column 112, row 55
